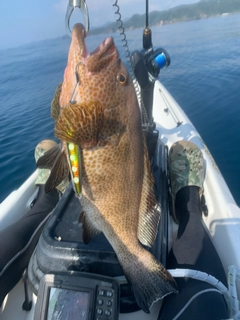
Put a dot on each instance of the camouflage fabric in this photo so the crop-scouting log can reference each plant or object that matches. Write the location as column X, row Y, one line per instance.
column 186, row 166
column 63, row 185
column 43, row 174
column 40, row 149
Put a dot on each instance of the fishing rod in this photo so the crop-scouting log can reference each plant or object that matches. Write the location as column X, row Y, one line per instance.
column 147, row 64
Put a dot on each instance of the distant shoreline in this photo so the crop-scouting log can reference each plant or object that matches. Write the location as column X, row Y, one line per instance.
column 201, row 10
column 186, row 20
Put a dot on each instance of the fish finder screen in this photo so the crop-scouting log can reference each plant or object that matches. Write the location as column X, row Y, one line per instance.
column 67, row 304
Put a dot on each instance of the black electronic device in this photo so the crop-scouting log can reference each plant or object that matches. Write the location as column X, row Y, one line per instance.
column 77, row 296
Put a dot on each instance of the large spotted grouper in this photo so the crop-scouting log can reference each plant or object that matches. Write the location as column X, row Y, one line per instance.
column 96, row 108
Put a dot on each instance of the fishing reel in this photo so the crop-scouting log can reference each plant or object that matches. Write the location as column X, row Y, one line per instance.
column 157, row 60
column 154, row 60
column 147, row 64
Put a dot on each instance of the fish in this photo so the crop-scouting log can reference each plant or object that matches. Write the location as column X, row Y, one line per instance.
column 97, row 109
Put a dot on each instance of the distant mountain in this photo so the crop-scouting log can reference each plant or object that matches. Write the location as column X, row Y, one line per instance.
column 185, row 12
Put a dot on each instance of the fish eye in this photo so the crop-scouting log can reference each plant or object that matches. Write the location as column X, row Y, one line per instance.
column 121, row 78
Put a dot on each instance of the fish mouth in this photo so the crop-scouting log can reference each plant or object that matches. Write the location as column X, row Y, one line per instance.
column 106, row 49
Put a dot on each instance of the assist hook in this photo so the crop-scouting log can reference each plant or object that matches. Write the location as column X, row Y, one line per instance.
column 81, row 4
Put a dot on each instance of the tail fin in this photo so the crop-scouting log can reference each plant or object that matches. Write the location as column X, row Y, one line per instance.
column 150, row 280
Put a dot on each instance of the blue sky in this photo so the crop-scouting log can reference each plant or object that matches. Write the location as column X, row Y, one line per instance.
column 25, row 21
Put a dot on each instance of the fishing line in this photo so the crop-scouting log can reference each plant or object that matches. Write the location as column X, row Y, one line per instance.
column 127, row 53
column 124, row 37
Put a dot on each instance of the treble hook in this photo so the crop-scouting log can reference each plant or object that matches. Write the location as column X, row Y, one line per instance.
column 81, row 4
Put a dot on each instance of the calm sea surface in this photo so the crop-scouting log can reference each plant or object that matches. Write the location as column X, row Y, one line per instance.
column 204, row 78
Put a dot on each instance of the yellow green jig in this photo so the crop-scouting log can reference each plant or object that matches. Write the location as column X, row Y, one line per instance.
column 74, row 154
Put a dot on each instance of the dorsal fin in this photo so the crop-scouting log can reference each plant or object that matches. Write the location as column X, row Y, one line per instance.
column 150, row 211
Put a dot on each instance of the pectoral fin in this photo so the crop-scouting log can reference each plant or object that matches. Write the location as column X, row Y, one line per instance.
column 80, row 124
column 114, row 126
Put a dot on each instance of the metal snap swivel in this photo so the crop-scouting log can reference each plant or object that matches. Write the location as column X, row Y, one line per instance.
column 72, row 5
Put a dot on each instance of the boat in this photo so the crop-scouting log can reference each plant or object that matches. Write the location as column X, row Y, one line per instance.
column 55, row 248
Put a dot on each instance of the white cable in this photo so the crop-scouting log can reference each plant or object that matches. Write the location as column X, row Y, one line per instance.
column 230, row 294
column 191, row 300
column 202, row 276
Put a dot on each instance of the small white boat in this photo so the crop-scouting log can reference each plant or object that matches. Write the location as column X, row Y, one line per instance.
column 222, row 220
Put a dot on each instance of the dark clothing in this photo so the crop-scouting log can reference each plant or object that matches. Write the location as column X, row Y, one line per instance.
column 15, row 245
column 193, row 249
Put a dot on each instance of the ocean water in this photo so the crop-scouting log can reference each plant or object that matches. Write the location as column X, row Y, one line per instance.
column 204, row 78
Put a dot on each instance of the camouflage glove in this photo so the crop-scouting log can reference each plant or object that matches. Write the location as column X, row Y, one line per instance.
column 40, row 149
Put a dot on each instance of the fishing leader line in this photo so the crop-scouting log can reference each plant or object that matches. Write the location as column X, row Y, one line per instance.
column 128, row 54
